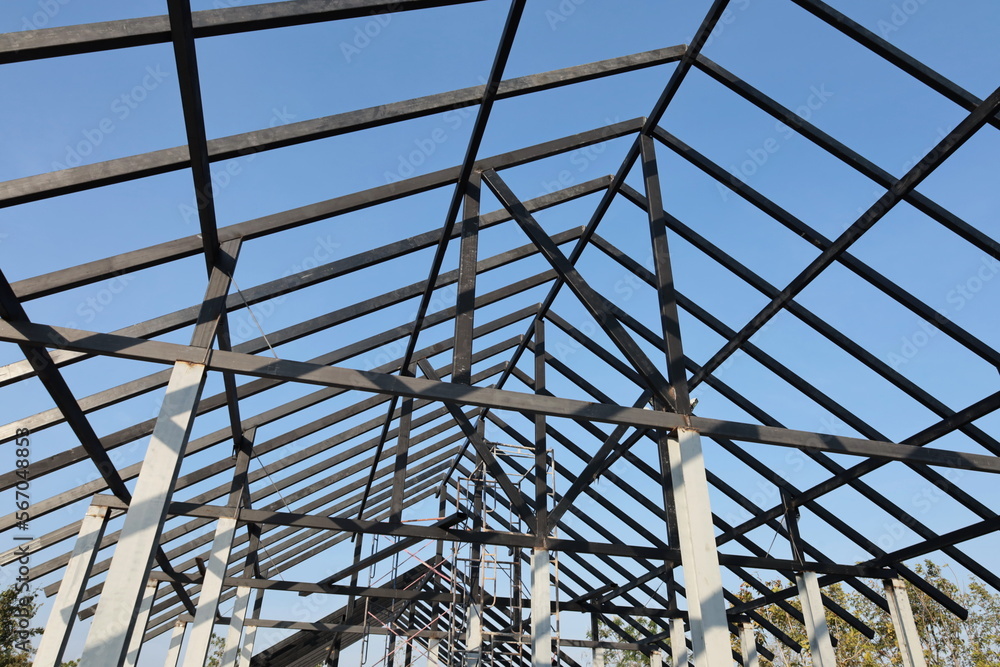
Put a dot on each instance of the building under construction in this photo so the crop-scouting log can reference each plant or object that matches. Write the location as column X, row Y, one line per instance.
column 455, row 417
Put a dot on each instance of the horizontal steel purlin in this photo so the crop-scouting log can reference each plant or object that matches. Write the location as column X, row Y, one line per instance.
column 523, row 540
column 381, row 383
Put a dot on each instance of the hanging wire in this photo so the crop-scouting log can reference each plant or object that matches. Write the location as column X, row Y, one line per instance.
column 283, row 502
column 781, row 522
column 274, row 568
column 263, row 469
column 254, row 317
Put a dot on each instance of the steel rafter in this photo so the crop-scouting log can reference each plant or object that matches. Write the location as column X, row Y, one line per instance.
column 332, row 477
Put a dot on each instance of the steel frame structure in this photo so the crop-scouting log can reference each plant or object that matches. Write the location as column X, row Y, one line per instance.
column 169, row 563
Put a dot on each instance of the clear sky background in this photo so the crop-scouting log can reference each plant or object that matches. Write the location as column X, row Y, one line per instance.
column 91, row 108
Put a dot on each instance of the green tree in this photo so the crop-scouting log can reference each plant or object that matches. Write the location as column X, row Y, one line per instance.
column 947, row 640
column 217, row 648
column 627, row 657
column 15, row 637
column 17, row 609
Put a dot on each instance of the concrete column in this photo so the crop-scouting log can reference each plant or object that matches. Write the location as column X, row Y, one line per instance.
column 251, row 632
column 211, row 590
column 107, row 641
column 433, row 653
column 474, row 640
column 678, row 643
column 248, row 642
column 814, row 615
column 702, row 576
column 655, row 659
column 235, row 633
column 74, row 582
column 902, row 621
column 541, row 610
column 541, row 596
column 139, row 632
column 176, row 641
column 748, row 645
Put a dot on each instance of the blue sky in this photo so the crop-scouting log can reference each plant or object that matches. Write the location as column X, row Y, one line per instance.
column 96, row 107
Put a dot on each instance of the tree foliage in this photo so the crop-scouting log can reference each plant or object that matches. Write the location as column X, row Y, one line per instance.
column 947, row 640
column 631, row 657
column 18, row 607
column 217, row 648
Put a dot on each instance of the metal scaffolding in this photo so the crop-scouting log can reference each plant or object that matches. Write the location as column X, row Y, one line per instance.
column 555, row 495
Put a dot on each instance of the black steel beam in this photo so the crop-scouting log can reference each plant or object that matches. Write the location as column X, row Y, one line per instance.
column 189, row 246
column 297, row 281
column 669, row 322
column 465, row 298
column 94, row 37
column 896, row 193
column 368, row 381
column 483, row 449
column 275, row 444
column 761, row 517
column 893, row 54
column 465, row 172
column 42, row 186
column 818, row 240
column 598, row 307
column 849, row 157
